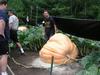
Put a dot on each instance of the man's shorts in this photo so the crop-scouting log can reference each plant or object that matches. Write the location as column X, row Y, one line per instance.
column 3, row 46
column 13, row 35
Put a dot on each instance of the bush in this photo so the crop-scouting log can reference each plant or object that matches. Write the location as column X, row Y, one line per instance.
column 33, row 38
column 85, row 46
column 89, row 51
column 91, row 64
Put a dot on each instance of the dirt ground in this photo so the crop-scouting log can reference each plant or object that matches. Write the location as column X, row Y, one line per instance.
column 27, row 60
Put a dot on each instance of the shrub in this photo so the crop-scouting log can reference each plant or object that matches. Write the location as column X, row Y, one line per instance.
column 33, row 38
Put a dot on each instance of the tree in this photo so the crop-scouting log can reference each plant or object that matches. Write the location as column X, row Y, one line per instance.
column 18, row 6
column 63, row 8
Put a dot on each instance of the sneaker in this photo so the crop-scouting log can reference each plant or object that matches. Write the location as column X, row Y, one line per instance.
column 23, row 54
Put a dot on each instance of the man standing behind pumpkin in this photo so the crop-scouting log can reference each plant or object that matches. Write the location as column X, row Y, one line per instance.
column 49, row 25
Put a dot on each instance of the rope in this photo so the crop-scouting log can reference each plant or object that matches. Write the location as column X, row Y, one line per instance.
column 67, row 56
column 10, row 70
column 17, row 63
column 30, row 66
column 20, row 64
column 70, row 58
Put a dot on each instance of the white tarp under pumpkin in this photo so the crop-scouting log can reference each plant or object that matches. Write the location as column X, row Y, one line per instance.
column 61, row 48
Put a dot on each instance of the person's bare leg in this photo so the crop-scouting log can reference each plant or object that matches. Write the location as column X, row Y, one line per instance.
column 19, row 45
column 3, row 64
column 3, row 58
column 0, row 64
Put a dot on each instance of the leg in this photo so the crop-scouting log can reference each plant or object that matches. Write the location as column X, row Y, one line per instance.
column 47, row 33
column 13, row 35
column 3, row 63
column 52, row 32
column 19, row 45
column 3, row 55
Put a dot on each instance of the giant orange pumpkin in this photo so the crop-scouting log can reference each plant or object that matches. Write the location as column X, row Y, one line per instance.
column 61, row 48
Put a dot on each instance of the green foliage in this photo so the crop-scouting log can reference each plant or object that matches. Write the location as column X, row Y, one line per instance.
column 89, row 51
column 93, row 70
column 18, row 6
column 63, row 8
column 90, row 64
column 32, row 38
column 85, row 46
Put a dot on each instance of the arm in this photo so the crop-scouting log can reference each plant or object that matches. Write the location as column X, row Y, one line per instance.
column 55, row 27
column 2, row 27
column 43, row 23
column 10, row 22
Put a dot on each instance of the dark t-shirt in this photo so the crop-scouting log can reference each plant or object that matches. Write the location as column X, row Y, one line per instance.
column 4, row 16
column 49, row 23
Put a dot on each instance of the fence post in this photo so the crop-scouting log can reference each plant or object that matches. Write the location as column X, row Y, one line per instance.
column 52, row 61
